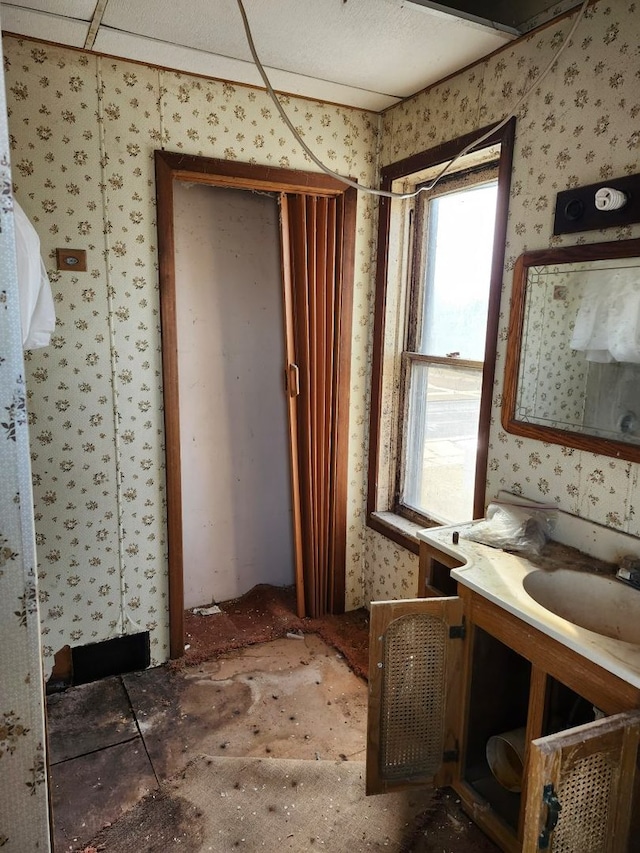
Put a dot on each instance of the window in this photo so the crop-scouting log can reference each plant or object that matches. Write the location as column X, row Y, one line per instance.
column 446, row 336
column 440, row 261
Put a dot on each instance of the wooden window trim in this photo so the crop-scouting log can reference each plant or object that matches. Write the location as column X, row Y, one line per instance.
column 395, row 171
column 418, row 259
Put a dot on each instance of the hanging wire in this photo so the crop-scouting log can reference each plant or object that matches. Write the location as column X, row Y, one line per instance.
column 388, row 193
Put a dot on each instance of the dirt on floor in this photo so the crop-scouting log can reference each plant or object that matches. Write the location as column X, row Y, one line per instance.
column 267, row 613
column 445, row 828
column 159, row 823
column 164, row 820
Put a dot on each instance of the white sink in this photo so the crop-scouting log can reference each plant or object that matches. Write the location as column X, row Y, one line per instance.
column 598, row 603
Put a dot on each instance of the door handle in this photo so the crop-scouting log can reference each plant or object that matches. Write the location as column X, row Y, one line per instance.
column 293, row 380
column 554, row 808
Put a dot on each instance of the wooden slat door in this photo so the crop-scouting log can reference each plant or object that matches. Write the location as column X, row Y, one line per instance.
column 292, row 385
column 334, row 249
column 415, row 703
column 317, row 320
column 581, row 787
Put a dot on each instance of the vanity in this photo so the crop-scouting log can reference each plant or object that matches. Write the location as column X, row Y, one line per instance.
column 490, row 683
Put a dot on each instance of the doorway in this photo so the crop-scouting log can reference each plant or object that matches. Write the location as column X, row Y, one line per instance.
column 317, row 239
column 236, row 489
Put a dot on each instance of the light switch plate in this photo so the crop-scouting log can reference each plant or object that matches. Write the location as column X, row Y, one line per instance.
column 72, row 260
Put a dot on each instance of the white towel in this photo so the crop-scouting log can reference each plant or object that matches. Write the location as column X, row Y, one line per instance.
column 608, row 321
column 37, row 312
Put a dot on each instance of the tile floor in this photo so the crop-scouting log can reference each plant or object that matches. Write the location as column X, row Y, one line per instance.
column 115, row 740
column 248, row 691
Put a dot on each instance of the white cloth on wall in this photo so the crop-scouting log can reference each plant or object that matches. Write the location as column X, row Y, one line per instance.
column 608, row 322
column 37, row 312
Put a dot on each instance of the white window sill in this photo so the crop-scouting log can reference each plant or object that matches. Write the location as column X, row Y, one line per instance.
column 399, row 525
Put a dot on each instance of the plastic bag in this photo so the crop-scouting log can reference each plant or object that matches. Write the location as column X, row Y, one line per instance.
column 513, row 527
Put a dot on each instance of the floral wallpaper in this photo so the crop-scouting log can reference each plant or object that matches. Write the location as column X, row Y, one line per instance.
column 23, row 792
column 552, row 377
column 581, row 125
column 83, row 131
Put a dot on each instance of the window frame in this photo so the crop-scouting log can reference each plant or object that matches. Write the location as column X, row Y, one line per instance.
column 474, row 176
column 379, row 508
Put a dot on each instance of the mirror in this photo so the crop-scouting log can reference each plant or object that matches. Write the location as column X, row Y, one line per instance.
column 572, row 373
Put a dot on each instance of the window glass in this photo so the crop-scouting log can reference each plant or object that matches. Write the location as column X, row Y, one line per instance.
column 441, row 440
column 443, row 376
column 457, row 272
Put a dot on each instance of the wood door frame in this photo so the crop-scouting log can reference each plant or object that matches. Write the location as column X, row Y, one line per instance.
column 170, row 167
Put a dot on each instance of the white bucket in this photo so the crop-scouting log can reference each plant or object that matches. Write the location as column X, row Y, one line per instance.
column 505, row 755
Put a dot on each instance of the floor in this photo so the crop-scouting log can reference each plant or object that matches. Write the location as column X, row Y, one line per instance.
column 261, row 685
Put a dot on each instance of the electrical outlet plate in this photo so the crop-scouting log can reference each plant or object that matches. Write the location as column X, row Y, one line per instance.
column 576, row 209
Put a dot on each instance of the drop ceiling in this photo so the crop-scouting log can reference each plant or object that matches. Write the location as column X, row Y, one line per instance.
column 363, row 53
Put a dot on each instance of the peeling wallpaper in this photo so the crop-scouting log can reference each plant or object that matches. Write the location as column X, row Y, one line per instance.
column 83, row 129
column 581, row 125
column 83, row 132
column 23, row 792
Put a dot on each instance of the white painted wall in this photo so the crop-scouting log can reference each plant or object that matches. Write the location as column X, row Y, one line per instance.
column 235, row 460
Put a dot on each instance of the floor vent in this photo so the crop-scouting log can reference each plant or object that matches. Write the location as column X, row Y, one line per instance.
column 100, row 660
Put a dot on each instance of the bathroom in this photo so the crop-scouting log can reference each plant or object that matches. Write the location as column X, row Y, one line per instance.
column 94, row 397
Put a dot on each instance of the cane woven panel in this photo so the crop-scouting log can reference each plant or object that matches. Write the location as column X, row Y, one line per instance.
column 413, row 697
column 585, row 794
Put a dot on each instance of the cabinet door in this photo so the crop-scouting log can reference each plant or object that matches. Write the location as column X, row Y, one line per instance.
column 415, row 681
column 580, row 787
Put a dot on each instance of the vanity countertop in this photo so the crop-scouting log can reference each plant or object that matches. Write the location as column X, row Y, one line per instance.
column 498, row 576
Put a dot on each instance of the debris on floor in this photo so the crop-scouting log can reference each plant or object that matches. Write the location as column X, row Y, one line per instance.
column 295, row 635
column 253, row 704
column 266, row 613
column 206, row 611
column 273, row 805
column 282, row 699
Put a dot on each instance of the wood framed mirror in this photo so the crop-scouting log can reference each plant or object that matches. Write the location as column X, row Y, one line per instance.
column 572, row 373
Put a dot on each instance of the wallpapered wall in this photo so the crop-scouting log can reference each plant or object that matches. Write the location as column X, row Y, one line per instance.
column 83, row 131
column 580, row 126
column 553, row 375
column 23, row 794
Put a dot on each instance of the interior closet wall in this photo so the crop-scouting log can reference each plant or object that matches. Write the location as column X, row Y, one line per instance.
column 235, row 459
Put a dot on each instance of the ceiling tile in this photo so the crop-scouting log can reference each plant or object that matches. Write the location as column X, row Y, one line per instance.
column 39, row 25
column 387, row 46
column 82, row 10
column 365, row 53
column 210, row 65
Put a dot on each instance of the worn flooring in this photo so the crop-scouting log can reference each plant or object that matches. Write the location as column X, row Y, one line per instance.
column 122, row 749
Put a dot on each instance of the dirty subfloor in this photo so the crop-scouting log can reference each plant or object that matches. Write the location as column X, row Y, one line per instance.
column 258, row 684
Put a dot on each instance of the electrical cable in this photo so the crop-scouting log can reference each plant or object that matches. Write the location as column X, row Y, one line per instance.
column 447, row 167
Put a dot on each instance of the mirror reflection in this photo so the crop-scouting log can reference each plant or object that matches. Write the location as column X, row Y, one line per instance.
column 580, row 365
column 573, row 359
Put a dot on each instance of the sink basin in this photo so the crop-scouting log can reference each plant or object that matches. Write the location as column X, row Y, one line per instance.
column 595, row 602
